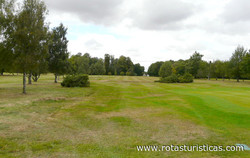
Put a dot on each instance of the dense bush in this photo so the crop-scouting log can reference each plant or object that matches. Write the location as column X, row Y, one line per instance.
column 186, row 78
column 170, row 79
column 76, row 81
column 129, row 73
column 122, row 73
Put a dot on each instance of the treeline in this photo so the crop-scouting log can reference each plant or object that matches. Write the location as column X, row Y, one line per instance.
column 237, row 67
column 85, row 64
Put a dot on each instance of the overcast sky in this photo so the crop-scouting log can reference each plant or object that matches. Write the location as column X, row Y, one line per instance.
column 153, row 30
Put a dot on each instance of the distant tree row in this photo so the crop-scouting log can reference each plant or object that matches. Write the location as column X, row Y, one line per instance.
column 237, row 67
column 85, row 64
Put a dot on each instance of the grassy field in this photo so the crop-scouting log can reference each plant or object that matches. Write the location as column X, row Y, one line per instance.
column 116, row 114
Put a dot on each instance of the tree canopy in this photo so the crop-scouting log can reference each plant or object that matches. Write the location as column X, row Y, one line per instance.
column 58, row 51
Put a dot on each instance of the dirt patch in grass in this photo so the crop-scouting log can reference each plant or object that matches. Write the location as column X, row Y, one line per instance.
column 163, row 128
column 52, row 99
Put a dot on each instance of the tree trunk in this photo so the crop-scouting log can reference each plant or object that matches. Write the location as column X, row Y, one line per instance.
column 24, row 83
column 209, row 72
column 30, row 75
column 55, row 78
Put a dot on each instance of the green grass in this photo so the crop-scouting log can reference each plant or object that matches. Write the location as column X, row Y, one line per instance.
column 115, row 114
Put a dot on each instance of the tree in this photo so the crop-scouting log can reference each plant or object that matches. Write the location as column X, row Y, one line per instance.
column 125, row 65
column 154, row 68
column 138, row 69
column 209, row 70
column 223, row 69
column 73, row 63
column 58, row 51
column 218, row 70
column 180, row 67
column 107, row 63
column 6, row 28
column 79, row 64
column 29, row 37
column 43, row 68
column 236, row 61
column 194, row 63
column 228, row 70
column 203, row 71
column 85, row 64
column 113, row 64
column 97, row 68
column 246, row 65
column 166, row 69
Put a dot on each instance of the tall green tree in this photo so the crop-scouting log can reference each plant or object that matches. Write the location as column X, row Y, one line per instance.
column 86, row 64
column 203, row 71
column 80, row 64
column 194, row 63
column 180, row 67
column 113, row 64
column 29, row 37
column 166, row 69
column 154, row 68
column 139, row 70
column 228, row 70
column 236, row 62
column 97, row 68
column 246, row 65
column 218, row 69
column 7, row 12
column 125, row 65
column 107, row 63
column 42, row 69
column 58, row 51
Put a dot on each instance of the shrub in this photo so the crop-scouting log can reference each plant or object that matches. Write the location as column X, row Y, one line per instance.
column 109, row 73
column 122, row 73
column 186, row 78
column 76, row 81
column 129, row 73
column 170, row 79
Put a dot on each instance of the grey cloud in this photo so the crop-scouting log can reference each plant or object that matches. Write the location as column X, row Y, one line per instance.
column 146, row 14
column 158, row 14
column 94, row 11
column 234, row 19
column 237, row 10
